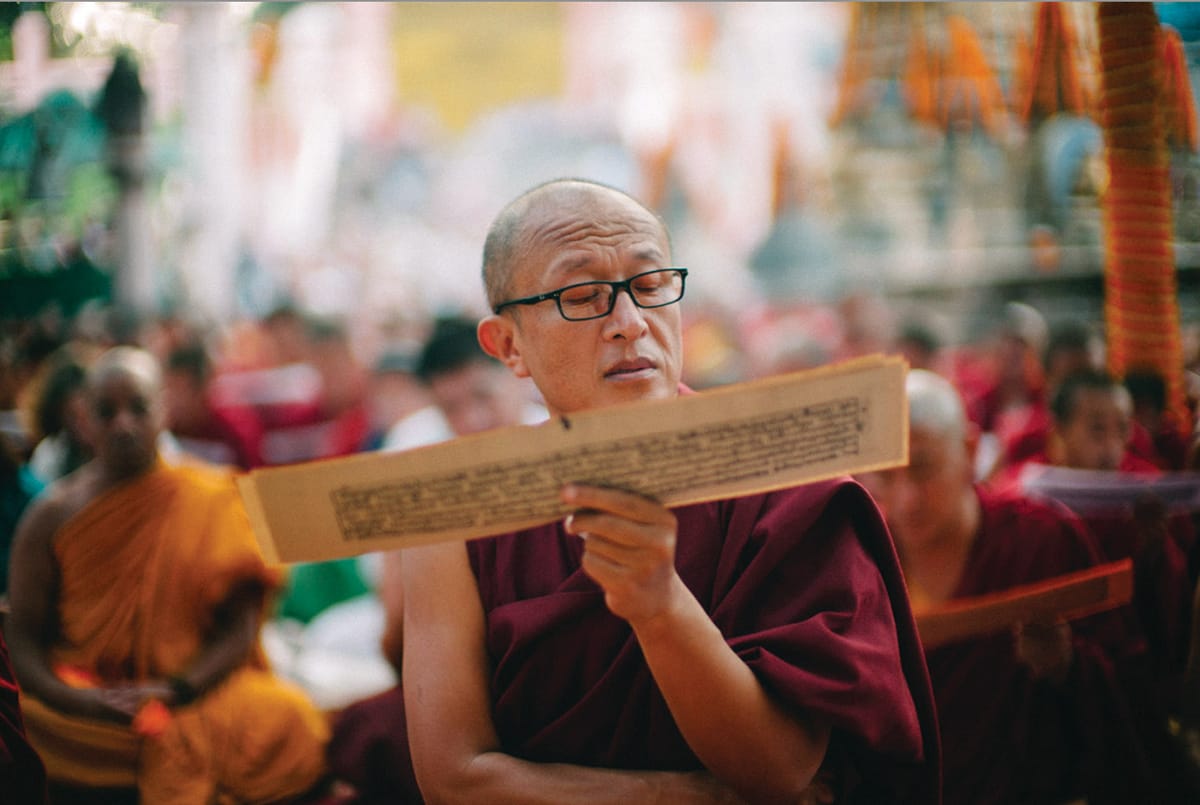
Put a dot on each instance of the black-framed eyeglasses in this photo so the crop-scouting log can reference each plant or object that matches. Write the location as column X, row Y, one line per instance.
column 595, row 300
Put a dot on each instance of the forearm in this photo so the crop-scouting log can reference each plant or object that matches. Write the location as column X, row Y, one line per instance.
column 31, row 664
column 740, row 734
column 497, row 778
column 225, row 650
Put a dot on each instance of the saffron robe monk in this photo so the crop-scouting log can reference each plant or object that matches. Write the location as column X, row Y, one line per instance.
column 135, row 586
column 753, row 650
column 1035, row 716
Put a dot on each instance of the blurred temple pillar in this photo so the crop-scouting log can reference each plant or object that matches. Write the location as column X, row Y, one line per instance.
column 215, row 101
column 121, row 107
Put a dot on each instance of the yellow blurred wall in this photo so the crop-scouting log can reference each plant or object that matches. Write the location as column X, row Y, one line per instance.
column 464, row 59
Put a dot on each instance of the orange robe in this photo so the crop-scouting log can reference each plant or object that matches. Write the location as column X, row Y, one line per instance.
column 142, row 570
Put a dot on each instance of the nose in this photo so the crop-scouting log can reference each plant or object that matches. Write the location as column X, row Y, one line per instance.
column 626, row 320
column 124, row 421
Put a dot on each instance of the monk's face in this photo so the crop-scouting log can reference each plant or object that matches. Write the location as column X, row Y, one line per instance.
column 124, row 420
column 923, row 502
column 632, row 353
column 1097, row 432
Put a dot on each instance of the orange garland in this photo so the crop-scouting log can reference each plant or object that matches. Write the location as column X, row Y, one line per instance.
column 1141, row 308
column 1179, row 107
column 970, row 88
column 1051, row 84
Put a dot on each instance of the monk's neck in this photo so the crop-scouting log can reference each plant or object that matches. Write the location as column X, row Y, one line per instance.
column 104, row 478
column 933, row 571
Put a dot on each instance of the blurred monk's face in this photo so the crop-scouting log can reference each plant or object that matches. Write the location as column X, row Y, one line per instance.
column 632, row 353
column 1097, row 432
column 923, row 502
column 125, row 416
column 478, row 396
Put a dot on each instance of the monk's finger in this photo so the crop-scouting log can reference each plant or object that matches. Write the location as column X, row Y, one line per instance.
column 619, row 553
column 617, row 501
column 657, row 537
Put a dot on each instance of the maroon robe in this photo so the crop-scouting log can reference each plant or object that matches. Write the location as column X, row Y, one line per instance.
column 1006, row 737
column 805, row 586
column 22, row 775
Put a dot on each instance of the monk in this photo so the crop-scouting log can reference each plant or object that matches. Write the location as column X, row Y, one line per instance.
column 1022, row 714
column 759, row 649
column 137, row 594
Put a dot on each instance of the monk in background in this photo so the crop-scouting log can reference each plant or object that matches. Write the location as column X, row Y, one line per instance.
column 1036, row 716
column 137, row 592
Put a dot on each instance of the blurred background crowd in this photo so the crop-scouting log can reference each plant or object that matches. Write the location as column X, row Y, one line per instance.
column 282, row 200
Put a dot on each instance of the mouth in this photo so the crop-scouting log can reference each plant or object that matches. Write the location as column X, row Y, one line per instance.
column 634, row 369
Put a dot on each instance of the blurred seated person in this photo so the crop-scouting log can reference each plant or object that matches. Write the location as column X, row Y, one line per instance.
column 1091, row 424
column 394, row 392
column 134, row 582
column 474, row 392
column 18, row 486
column 61, row 444
column 1072, row 347
column 1091, row 428
column 228, row 435
column 919, row 343
column 1158, row 436
column 1020, row 713
column 1016, row 383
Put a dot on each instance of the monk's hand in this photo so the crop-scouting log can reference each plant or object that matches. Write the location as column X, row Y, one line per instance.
column 1045, row 649
column 629, row 549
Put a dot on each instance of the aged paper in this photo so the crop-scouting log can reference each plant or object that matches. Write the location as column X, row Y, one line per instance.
column 745, row 438
column 1070, row 596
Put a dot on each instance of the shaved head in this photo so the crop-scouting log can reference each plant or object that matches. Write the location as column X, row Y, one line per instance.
column 137, row 363
column 934, row 405
column 502, row 250
column 125, row 411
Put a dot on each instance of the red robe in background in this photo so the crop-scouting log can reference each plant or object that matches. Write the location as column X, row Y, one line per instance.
column 1006, row 737
column 806, row 588
column 22, row 775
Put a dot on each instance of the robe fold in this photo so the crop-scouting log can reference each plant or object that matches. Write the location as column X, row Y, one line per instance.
column 804, row 585
column 142, row 570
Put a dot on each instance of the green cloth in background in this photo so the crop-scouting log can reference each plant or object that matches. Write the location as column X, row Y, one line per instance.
column 315, row 586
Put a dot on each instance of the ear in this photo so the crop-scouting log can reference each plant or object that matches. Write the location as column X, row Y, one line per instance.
column 498, row 336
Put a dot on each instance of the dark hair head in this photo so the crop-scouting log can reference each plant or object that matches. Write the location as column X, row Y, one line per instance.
column 1065, row 398
column 451, row 345
column 920, row 335
column 1147, row 386
column 1068, row 336
column 65, row 377
column 192, row 360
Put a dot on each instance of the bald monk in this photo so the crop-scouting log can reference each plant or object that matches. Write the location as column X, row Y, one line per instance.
column 758, row 649
column 1024, row 716
column 134, row 582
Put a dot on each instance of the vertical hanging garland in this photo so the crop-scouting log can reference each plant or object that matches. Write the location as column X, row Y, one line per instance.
column 1141, row 308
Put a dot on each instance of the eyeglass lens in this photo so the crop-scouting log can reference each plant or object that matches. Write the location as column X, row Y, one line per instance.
column 594, row 299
